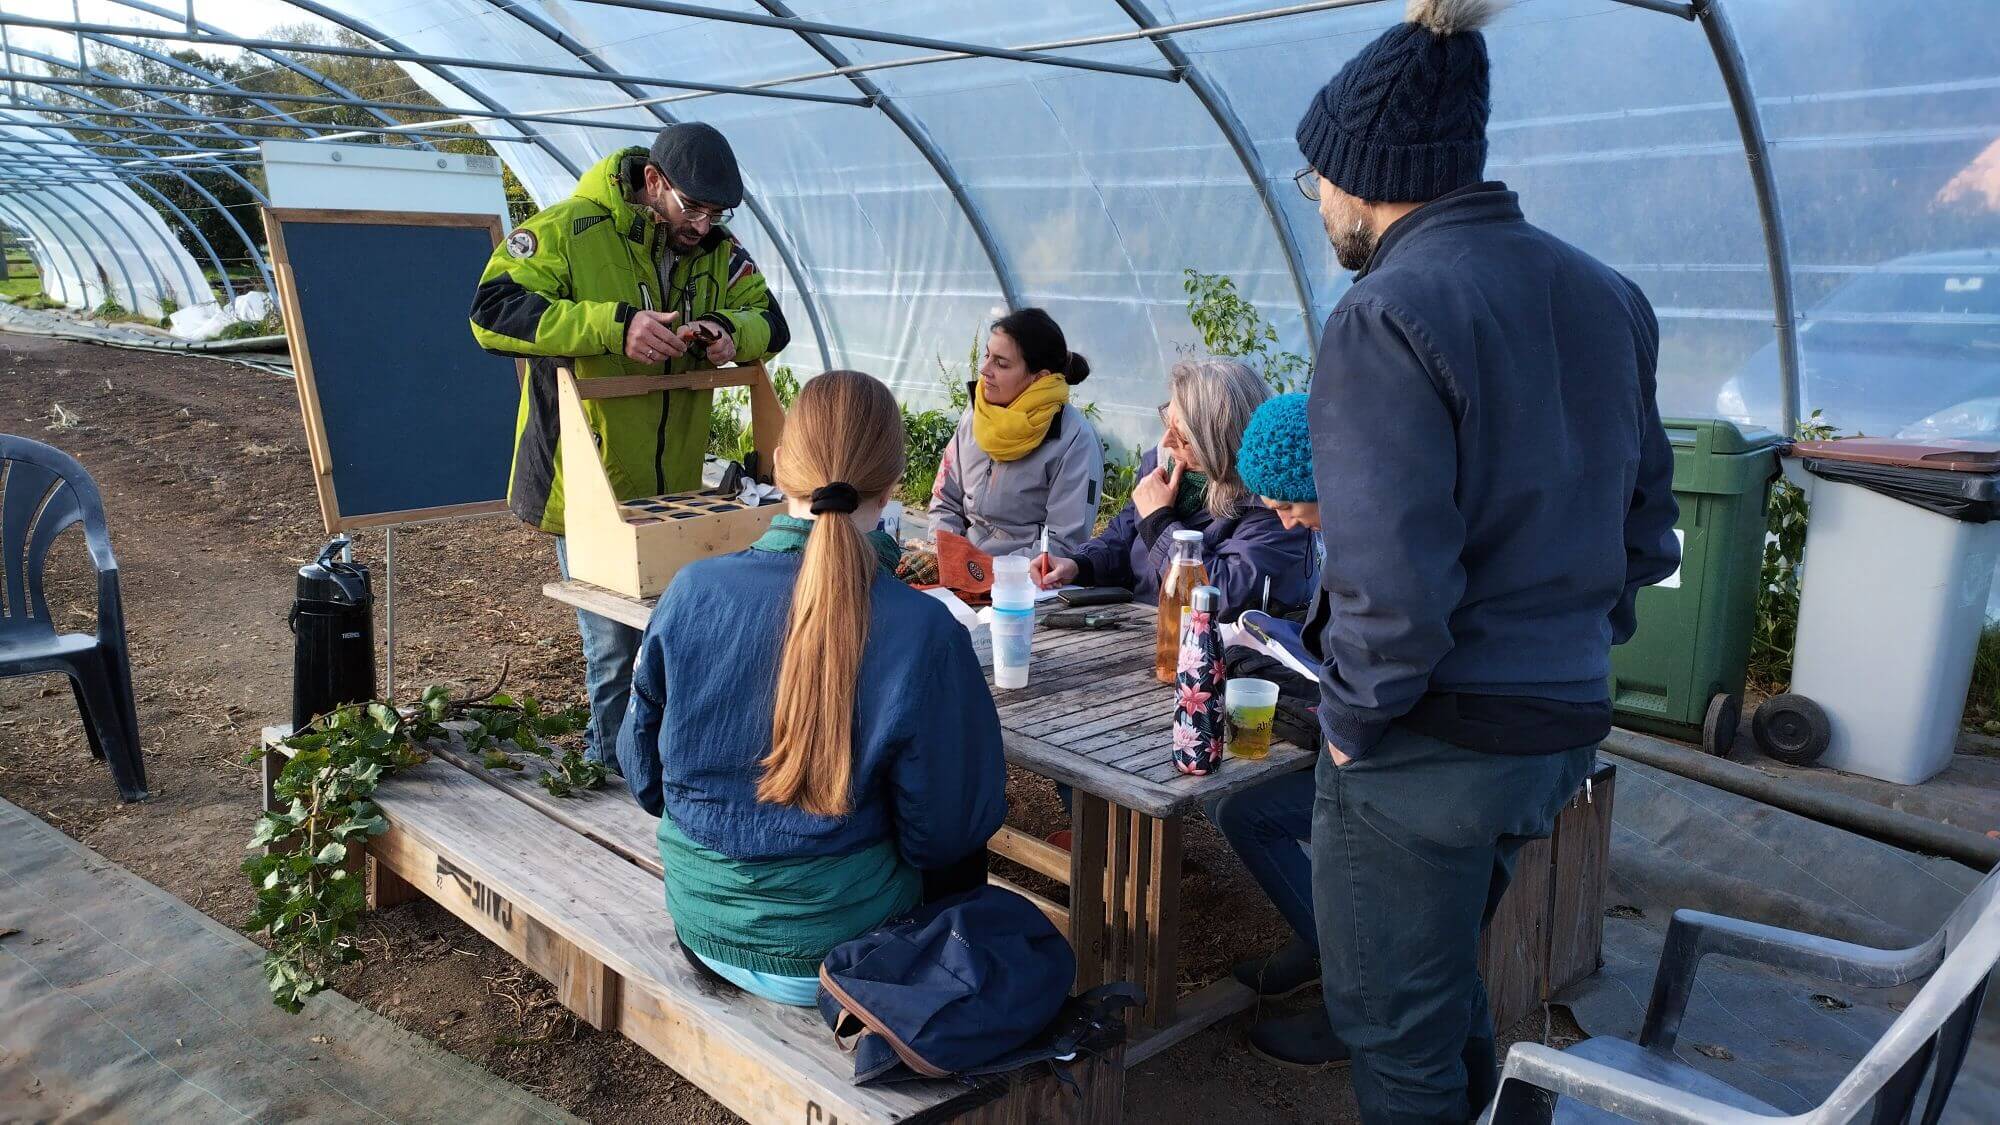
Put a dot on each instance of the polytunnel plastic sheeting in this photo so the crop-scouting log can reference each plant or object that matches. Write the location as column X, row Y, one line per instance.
column 1100, row 190
column 487, row 29
column 1096, row 191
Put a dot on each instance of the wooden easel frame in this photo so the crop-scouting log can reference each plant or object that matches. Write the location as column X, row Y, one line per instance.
column 610, row 546
column 317, row 446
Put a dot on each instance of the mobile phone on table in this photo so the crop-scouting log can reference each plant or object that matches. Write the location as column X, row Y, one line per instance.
column 1076, row 620
column 1080, row 596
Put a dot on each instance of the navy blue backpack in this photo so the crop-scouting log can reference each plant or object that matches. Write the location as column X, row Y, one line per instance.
column 977, row 983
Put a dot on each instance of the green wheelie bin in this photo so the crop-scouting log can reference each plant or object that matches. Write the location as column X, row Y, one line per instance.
column 1681, row 674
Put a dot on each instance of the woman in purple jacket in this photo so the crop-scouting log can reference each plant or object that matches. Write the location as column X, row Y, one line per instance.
column 1190, row 484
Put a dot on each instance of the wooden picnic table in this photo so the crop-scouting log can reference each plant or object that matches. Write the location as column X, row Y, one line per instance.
column 1094, row 717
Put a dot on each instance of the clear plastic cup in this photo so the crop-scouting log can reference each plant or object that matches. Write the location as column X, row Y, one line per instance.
column 1253, row 707
column 1013, row 633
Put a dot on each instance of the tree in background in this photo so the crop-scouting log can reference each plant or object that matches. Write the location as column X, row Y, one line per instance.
column 373, row 79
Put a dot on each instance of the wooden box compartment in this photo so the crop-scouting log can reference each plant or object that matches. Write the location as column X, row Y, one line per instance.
column 636, row 546
column 1548, row 932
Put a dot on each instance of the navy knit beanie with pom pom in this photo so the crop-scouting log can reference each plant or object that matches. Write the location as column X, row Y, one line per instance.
column 1405, row 120
column 1275, row 459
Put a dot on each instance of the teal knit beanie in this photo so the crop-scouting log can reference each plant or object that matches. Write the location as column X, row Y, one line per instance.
column 1275, row 460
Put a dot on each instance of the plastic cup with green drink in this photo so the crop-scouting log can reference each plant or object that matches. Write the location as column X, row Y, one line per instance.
column 1252, row 706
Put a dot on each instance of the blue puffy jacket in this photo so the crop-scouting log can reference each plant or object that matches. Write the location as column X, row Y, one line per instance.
column 1239, row 553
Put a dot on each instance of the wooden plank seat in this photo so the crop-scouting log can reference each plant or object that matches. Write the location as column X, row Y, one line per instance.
column 571, row 887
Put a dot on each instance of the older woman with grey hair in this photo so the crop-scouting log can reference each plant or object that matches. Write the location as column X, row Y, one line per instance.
column 1190, row 483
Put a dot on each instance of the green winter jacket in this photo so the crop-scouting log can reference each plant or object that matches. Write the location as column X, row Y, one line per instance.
column 561, row 288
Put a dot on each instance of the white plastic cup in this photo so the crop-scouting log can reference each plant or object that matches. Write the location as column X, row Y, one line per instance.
column 1013, row 633
column 892, row 520
column 1012, row 588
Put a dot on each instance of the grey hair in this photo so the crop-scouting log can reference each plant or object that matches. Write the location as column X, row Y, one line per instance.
column 1215, row 399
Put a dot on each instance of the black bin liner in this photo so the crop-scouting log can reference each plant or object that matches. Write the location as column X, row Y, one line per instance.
column 1971, row 497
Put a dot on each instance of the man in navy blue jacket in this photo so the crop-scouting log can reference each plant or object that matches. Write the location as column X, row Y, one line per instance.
column 1495, row 488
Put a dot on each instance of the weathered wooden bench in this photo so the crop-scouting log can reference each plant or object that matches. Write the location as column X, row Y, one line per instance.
column 571, row 887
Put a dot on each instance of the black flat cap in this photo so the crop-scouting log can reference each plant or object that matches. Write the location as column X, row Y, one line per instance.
column 697, row 159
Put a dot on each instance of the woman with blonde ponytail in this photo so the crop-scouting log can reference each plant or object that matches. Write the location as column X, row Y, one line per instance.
column 816, row 738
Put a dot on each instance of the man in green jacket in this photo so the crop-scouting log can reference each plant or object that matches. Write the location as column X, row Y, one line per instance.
column 635, row 274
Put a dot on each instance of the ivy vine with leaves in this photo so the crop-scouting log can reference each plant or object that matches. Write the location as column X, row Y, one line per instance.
column 309, row 895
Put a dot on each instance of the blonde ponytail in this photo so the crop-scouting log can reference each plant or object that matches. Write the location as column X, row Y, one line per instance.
column 845, row 429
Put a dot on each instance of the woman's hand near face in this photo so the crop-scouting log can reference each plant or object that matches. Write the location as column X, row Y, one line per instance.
column 1050, row 572
column 1156, row 491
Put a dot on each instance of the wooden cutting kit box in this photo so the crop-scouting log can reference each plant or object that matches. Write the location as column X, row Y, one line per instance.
column 636, row 546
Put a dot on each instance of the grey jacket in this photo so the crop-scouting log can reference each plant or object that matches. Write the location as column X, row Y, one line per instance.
column 1001, row 506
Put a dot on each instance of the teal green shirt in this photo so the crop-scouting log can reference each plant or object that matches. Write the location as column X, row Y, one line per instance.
column 780, row 916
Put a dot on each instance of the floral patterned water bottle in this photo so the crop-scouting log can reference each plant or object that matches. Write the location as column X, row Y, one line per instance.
column 1198, row 713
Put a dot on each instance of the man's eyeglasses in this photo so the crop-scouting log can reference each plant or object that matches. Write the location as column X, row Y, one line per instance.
column 709, row 215
column 1308, row 181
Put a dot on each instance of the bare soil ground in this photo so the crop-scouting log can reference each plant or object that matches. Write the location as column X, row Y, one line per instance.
column 209, row 492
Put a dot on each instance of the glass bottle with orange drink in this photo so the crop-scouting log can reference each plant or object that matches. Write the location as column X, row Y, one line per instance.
column 1184, row 572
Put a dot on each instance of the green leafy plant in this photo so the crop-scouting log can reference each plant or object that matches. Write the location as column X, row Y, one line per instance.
column 729, row 434
column 270, row 325
column 927, row 432
column 1121, row 476
column 1231, row 326
column 572, row 773
column 1776, row 630
column 309, row 894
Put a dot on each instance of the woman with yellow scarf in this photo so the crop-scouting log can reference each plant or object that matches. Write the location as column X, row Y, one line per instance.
column 1023, row 458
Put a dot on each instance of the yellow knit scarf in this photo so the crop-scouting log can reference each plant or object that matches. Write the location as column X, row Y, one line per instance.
column 1011, row 432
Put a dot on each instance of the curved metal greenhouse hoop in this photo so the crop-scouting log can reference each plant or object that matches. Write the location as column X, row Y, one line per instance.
column 49, row 269
column 785, row 250
column 77, row 242
column 48, row 198
column 160, row 287
column 296, row 67
column 920, row 138
column 1233, row 130
column 249, row 244
column 200, row 290
column 60, row 159
column 360, row 28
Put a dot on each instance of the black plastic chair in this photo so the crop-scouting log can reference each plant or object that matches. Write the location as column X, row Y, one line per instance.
column 43, row 491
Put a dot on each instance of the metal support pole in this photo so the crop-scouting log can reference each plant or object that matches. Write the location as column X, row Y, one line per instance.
column 50, row 200
column 195, row 185
column 842, row 31
column 75, row 266
column 196, row 290
column 332, row 15
column 312, row 99
column 1003, row 266
column 1240, row 142
column 75, row 122
column 1764, row 180
column 419, row 58
column 389, row 612
column 785, row 251
column 279, row 58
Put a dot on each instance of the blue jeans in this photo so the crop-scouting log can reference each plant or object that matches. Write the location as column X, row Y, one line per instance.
column 1269, row 827
column 609, row 649
column 1413, row 845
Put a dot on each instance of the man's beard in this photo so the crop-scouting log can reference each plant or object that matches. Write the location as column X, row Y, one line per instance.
column 1353, row 246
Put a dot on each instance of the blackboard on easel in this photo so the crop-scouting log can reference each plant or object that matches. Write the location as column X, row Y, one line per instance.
column 406, row 417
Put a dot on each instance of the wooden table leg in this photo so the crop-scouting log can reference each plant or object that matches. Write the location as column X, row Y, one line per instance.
column 1089, row 817
column 1163, row 920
